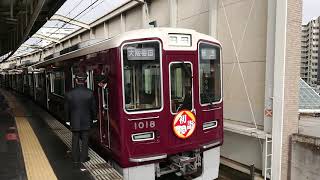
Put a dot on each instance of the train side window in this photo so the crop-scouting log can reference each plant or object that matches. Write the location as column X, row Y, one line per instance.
column 127, row 85
column 57, row 83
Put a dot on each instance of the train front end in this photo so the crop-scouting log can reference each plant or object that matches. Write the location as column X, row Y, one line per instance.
column 172, row 105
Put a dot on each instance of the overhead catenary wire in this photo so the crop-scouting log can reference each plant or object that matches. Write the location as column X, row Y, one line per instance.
column 66, row 15
column 74, row 7
column 90, row 10
column 65, row 23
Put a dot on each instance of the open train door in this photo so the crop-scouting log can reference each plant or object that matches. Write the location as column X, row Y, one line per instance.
column 48, row 88
column 103, row 109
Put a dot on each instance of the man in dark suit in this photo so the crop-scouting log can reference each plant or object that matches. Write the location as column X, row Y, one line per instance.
column 80, row 108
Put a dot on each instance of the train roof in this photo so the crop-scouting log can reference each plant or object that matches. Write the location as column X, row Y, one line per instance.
column 100, row 45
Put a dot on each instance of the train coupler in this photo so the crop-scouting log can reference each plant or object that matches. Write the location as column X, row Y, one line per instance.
column 182, row 165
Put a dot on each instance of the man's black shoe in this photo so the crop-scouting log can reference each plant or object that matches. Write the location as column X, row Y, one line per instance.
column 82, row 168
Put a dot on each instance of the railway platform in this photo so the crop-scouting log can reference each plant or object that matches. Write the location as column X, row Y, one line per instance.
column 34, row 145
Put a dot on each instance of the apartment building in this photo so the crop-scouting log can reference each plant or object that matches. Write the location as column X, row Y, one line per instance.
column 310, row 53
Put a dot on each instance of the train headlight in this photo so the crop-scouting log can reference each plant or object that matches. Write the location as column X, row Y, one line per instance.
column 142, row 136
column 210, row 125
column 179, row 39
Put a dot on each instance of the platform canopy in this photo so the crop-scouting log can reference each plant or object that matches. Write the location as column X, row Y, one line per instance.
column 309, row 99
column 72, row 16
column 20, row 19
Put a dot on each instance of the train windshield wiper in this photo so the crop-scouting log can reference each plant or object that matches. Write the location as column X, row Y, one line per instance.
column 209, row 98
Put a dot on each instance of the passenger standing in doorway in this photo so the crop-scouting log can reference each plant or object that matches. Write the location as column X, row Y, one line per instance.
column 80, row 108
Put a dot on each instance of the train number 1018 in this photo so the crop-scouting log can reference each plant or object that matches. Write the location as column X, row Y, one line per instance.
column 144, row 125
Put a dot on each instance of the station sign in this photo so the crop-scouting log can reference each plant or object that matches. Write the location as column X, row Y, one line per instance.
column 140, row 53
column 184, row 124
column 208, row 54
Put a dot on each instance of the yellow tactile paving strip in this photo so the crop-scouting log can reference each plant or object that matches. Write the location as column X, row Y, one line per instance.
column 36, row 163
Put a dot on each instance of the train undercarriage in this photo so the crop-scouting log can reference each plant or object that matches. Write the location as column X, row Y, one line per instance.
column 192, row 165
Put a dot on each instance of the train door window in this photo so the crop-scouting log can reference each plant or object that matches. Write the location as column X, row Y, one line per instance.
column 42, row 80
column 181, row 86
column 36, row 80
column 209, row 73
column 30, row 80
column 90, row 79
column 57, row 83
column 72, row 77
column 141, row 76
column 25, row 79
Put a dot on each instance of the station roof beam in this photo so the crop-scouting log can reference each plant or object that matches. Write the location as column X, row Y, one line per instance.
column 69, row 21
column 40, row 36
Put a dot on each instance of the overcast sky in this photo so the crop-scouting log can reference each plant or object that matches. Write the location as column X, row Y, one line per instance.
column 311, row 8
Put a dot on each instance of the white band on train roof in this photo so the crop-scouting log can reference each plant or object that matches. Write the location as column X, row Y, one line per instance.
column 160, row 33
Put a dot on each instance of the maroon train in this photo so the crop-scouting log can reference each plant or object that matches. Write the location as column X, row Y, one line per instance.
column 159, row 95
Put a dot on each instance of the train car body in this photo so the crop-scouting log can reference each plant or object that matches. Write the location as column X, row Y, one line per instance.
column 159, row 96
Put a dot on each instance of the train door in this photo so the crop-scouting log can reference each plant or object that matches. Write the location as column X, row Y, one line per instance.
column 100, row 88
column 104, row 114
column 48, row 88
column 35, row 84
column 182, row 94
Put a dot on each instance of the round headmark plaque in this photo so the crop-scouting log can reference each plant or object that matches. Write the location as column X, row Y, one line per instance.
column 184, row 124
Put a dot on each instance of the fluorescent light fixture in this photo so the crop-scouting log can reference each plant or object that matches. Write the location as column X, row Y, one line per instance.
column 145, row 136
column 210, row 125
column 179, row 39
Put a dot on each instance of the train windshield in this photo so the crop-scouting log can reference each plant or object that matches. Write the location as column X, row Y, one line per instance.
column 142, row 76
column 209, row 73
column 181, row 86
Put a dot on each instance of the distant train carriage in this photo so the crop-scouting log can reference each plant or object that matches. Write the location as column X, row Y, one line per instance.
column 159, row 96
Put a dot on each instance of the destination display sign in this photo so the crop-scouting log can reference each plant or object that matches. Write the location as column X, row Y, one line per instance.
column 141, row 53
column 208, row 54
column 184, row 124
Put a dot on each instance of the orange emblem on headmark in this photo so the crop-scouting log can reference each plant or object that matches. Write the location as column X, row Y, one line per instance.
column 184, row 124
